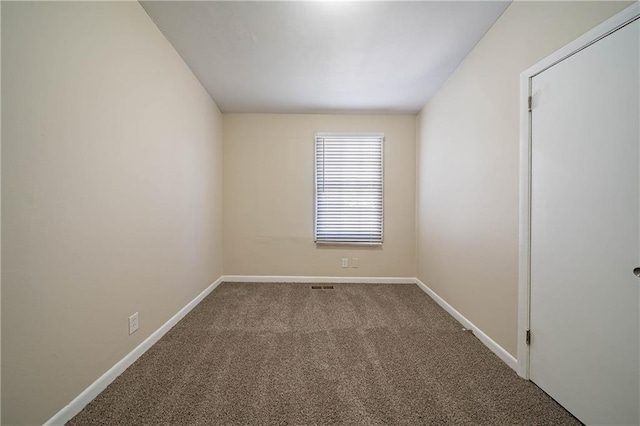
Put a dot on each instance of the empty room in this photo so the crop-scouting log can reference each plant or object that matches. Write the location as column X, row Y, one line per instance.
column 320, row 212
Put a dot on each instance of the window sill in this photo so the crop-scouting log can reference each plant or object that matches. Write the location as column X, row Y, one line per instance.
column 348, row 243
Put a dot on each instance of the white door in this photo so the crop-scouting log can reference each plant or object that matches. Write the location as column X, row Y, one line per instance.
column 585, row 230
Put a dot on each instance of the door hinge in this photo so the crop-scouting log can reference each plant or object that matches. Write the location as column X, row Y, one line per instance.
column 528, row 337
column 530, row 102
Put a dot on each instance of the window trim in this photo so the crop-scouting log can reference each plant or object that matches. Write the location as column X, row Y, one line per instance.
column 315, row 188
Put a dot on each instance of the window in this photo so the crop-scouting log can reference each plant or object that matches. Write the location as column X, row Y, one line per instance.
column 349, row 188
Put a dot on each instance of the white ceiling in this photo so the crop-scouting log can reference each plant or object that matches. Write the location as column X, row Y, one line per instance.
column 323, row 56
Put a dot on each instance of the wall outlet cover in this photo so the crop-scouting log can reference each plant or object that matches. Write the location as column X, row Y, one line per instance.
column 133, row 323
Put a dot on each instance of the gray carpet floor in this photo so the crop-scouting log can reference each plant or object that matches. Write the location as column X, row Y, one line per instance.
column 282, row 354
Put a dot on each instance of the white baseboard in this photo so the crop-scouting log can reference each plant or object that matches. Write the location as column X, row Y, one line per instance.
column 309, row 279
column 505, row 356
column 75, row 406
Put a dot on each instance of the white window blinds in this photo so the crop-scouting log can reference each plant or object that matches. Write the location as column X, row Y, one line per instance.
column 349, row 188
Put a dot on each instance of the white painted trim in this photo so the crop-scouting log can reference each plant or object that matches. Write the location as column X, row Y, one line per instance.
column 488, row 342
column 310, row 279
column 79, row 402
column 351, row 134
column 524, row 286
column 524, row 229
column 620, row 19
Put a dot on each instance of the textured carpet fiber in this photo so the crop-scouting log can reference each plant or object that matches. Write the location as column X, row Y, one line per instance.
column 287, row 354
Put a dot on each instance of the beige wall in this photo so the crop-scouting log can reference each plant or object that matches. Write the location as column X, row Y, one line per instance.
column 268, row 202
column 111, row 194
column 468, row 153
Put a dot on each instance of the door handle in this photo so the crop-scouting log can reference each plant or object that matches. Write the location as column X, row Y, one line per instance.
column 636, row 272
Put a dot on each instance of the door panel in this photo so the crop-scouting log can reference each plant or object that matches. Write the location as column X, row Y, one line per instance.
column 585, row 230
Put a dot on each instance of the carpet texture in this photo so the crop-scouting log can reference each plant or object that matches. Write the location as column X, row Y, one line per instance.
column 255, row 353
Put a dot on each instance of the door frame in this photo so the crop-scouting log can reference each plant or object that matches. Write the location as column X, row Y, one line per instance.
column 614, row 23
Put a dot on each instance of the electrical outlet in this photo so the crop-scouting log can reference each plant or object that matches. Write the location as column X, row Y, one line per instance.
column 345, row 262
column 355, row 262
column 133, row 323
